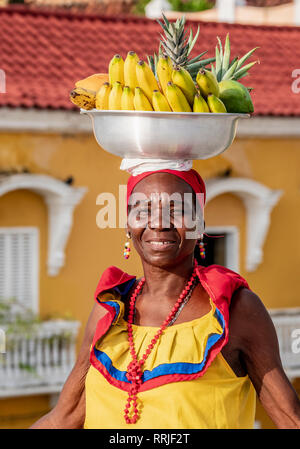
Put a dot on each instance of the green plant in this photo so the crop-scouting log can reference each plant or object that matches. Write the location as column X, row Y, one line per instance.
column 191, row 5
column 227, row 69
column 177, row 5
column 17, row 318
column 139, row 7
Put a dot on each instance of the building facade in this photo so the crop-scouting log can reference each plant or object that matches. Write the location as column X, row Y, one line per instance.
column 53, row 171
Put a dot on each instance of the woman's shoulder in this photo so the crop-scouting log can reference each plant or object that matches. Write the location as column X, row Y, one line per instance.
column 220, row 281
column 114, row 278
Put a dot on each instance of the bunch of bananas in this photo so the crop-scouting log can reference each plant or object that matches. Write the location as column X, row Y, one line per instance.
column 132, row 86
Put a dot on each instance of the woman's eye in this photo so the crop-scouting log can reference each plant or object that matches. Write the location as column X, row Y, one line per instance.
column 143, row 212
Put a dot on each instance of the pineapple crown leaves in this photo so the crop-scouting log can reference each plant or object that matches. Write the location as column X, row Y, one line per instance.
column 153, row 60
column 175, row 44
column 224, row 69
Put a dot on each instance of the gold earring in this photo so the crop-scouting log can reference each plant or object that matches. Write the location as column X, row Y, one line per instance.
column 126, row 253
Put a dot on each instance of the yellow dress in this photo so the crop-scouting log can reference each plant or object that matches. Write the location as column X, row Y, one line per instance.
column 216, row 400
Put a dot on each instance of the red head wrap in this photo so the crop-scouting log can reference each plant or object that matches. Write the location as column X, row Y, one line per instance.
column 191, row 177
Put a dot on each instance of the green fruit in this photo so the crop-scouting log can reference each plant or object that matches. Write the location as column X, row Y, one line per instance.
column 236, row 97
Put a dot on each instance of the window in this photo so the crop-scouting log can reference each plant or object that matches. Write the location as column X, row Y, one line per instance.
column 222, row 250
column 19, row 264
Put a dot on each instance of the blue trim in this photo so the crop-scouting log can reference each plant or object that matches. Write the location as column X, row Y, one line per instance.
column 122, row 289
column 165, row 368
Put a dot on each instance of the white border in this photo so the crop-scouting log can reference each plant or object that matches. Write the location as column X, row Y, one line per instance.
column 36, row 260
column 72, row 122
column 61, row 200
column 259, row 201
column 232, row 244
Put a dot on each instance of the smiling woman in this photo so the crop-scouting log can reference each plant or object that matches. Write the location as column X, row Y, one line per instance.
column 136, row 368
column 165, row 218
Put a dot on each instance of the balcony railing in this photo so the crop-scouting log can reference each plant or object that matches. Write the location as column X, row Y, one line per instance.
column 39, row 363
column 42, row 362
column 287, row 325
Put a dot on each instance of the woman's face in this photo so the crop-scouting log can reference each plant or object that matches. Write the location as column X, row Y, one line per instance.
column 162, row 221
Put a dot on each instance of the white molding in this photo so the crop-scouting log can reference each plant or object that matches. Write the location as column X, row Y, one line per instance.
column 155, row 8
column 30, row 391
column 72, row 122
column 232, row 246
column 259, row 201
column 34, row 120
column 226, row 10
column 280, row 127
column 297, row 12
column 61, row 200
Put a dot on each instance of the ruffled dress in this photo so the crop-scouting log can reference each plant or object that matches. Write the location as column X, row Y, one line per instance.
column 184, row 386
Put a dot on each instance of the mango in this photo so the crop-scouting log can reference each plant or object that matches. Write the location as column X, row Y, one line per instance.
column 236, row 97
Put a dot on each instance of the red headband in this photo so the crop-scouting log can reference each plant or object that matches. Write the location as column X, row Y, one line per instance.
column 191, row 177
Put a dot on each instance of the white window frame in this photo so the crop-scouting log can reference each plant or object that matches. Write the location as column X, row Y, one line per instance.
column 34, row 231
column 232, row 244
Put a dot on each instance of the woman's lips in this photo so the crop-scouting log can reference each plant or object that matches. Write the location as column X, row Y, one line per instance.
column 161, row 245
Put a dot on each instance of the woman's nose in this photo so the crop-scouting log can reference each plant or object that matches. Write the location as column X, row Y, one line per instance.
column 160, row 218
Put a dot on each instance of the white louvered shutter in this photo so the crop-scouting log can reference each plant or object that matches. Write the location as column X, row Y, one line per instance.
column 19, row 264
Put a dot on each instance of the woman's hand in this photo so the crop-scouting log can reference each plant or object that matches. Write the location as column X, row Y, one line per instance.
column 69, row 413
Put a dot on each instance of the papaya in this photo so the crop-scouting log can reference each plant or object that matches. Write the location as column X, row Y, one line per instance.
column 236, row 97
column 93, row 82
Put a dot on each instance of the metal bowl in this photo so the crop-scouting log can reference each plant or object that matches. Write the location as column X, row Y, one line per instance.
column 164, row 135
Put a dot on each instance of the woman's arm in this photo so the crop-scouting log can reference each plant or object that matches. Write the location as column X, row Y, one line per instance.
column 69, row 413
column 260, row 353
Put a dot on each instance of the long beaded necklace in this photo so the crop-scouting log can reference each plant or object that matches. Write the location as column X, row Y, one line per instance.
column 180, row 307
column 134, row 369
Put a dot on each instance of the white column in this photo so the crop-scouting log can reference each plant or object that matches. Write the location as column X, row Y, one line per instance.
column 154, row 9
column 297, row 12
column 226, row 10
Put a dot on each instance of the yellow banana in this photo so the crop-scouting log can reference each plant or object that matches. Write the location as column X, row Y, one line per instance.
column 146, row 79
column 127, row 99
column 176, row 99
column 93, row 82
column 164, row 72
column 160, row 102
column 83, row 98
column 200, row 104
column 207, row 83
column 215, row 104
column 130, row 63
column 116, row 70
column 182, row 78
column 102, row 96
column 140, row 101
column 115, row 96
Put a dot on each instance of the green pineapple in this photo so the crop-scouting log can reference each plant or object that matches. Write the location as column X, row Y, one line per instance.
column 234, row 95
column 224, row 69
column 174, row 43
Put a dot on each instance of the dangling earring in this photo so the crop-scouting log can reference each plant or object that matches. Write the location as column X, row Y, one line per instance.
column 127, row 247
column 201, row 247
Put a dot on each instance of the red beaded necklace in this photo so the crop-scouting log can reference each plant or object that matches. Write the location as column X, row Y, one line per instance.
column 134, row 369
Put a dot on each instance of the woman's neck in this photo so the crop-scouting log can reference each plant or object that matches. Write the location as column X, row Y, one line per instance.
column 167, row 281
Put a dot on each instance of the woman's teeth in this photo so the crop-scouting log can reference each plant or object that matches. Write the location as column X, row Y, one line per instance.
column 161, row 243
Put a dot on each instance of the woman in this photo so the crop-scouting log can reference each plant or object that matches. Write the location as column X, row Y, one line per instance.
column 137, row 369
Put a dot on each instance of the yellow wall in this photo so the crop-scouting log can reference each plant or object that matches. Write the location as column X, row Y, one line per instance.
column 90, row 250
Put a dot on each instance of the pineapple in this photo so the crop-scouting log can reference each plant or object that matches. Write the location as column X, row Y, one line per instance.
column 225, row 69
column 175, row 45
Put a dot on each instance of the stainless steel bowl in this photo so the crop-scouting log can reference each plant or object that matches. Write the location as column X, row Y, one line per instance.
column 164, row 135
